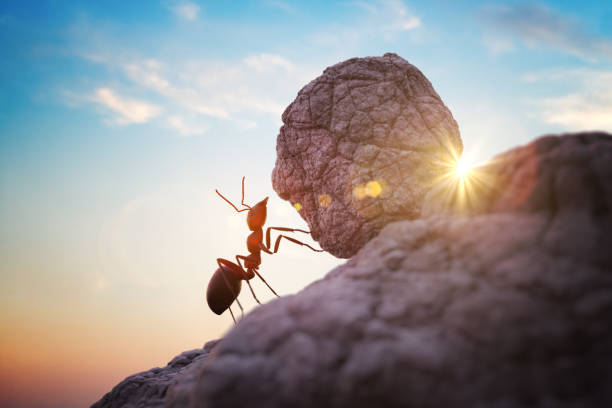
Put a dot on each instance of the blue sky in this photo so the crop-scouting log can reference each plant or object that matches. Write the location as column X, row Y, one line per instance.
column 119, row 119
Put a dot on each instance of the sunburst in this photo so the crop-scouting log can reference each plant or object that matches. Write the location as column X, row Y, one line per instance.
column 461, row 183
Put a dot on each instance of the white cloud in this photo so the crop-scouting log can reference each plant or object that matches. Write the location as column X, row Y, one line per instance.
column 260, row 83
column 148, row 74
column 381, row 19
column 576, row 112
column 187, row 11
column 126, row 110
column 282, row 5
column 499, row 45
column 268, row 63
column 191, row 93
column 538, row 26
column 390, row 15
column 184, row 128
column 586, row 107
column 403, row 19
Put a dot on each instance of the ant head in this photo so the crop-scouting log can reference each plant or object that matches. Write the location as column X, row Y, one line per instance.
column 256, row 218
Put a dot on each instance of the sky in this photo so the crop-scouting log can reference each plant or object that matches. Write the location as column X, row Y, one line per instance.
column 118, row 120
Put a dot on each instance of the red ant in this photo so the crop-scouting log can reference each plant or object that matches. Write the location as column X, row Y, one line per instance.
column 226, row 282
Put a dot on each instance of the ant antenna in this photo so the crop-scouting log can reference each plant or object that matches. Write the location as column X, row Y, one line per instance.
column 243, row 177
column 230, row 203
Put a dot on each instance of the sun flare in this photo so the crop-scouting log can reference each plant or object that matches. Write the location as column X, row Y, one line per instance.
column 462, row 168
column 461, row 185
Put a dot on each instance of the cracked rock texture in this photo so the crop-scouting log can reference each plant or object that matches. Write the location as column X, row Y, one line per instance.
column 155, row 387
column 360, row 147
column 508, row 307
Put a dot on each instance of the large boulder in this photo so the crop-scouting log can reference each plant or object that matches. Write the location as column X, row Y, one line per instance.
column 360, row 147
column 507, row 307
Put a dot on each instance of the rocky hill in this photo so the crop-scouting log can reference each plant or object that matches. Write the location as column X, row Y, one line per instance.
column 491, row 291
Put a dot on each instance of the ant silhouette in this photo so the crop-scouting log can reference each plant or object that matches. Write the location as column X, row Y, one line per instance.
column 226, row 282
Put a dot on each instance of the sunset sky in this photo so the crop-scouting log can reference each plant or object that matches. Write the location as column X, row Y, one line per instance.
column 118, row 119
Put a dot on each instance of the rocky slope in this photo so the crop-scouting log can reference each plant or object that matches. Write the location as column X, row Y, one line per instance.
column 158, row 386
column 508, row 307
column 495, row 291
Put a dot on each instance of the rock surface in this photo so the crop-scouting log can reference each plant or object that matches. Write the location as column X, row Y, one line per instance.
column 360, row 147
column 157, row 386
column 495, row 291
column 508, row 307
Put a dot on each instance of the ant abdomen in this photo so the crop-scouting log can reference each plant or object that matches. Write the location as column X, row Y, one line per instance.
column 222, row 290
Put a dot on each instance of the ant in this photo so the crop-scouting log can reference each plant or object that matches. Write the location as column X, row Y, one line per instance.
column 226, row 282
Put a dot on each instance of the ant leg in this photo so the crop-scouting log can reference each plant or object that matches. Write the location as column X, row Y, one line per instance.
column 292, row 240
column 281, row 229
column 263, row 247
column 231, row 267
column 235, row 299
column 240, row 307
column 237, row 270
column 264, row 281
column 253, row 292
column 233, row 318
column 238, row 258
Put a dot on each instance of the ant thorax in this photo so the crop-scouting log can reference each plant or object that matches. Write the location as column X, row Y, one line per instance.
column 254, row 240
column 252, row 262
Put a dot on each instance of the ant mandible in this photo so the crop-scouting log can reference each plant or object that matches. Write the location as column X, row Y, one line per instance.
column 226, row 282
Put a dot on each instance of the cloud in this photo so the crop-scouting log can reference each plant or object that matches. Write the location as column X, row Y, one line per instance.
column 184, row 128
column 148, row 73
column 187, row 11
column 538, row 26
column 220, row 89
column 268, row 63
column 126, row 110
column 381, row 19
column 403, row 19
column 586, row 107
column 499, row 45
column 391, row 14
column 282, row 5
column 192, row 93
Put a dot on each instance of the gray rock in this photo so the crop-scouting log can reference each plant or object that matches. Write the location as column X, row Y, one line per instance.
column 157, row 386
column 360, row 147
column 507, row 307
